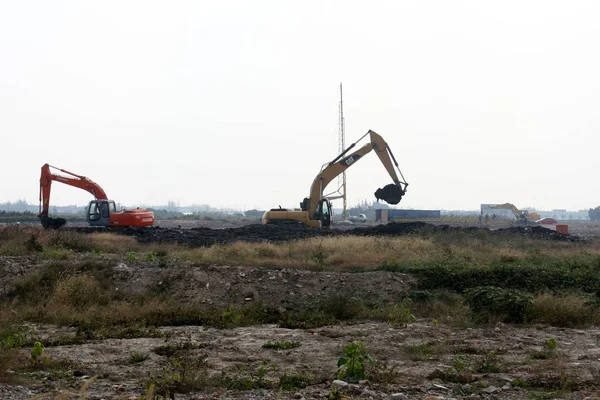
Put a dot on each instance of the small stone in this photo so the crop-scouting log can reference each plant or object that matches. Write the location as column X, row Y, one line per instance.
column 491, row 390
column 248, row 299
column 436, row 374
column 340, row 384
column 364, row 382
column 399, row 396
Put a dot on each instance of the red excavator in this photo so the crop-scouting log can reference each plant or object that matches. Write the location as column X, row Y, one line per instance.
column 100, row 212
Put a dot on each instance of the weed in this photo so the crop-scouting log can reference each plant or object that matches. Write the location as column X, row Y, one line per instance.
column 295, row 381
column 132, row 257
column 548, row 351
column 247, row 380
column 489, row 363
column 383, row 373
column 282, row 345
column 488, row 302
column 37, row 352
column 177, row 349
column 15, row 340
column 340, row 307
column 401, row 315
column 423, row 351
column 459, row 372
column 151, row 256
column 161, row 253
column 137, row 357
column 352, row 363
column 57, row 252
column 32, row 244
column 318, row 256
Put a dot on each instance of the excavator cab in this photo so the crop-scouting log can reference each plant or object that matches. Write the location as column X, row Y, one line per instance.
column 98, row 212
column 323, row 213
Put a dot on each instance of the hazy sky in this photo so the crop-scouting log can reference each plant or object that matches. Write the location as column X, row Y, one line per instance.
column 236, row 102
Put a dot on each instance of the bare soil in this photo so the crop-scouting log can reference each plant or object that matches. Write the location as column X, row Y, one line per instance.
column 571, row 371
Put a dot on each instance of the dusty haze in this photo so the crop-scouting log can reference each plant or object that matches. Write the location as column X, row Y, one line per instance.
column 236, row 103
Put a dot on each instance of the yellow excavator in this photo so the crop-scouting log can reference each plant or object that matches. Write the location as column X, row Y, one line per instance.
column 523, row 217
column 315, row 211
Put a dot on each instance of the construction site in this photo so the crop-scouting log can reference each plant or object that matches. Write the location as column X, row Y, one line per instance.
column 298, row 303
column 185, row 215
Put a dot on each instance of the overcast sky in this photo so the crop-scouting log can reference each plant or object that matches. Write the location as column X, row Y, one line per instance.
column 235, row 103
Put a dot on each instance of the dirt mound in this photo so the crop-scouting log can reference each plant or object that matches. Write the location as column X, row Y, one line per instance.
column 202, row 237
column 539, row 232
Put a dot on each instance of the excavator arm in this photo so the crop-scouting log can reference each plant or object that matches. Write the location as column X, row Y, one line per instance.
column 508, row 206
column 391, row 193
column 72, row 180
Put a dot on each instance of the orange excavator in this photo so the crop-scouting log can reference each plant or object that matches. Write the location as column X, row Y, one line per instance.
column 100, row 212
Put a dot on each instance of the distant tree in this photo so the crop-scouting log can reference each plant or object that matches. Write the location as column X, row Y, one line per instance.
column 254, row 213
column 594, row 214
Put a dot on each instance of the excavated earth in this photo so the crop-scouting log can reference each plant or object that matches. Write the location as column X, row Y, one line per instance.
column 201, row 237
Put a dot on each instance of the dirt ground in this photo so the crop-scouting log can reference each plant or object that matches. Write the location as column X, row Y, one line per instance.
column 402, row 371
column 236, row 349
column 425, row 360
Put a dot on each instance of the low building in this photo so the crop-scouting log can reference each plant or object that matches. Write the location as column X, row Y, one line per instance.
column 388, row 215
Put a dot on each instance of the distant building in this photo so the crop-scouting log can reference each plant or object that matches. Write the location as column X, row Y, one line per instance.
column 388, row 215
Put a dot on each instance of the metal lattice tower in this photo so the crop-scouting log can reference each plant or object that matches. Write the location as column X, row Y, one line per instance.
column 341, row 148
column 340, row 192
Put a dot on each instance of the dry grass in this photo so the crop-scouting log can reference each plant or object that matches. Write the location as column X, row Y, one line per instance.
column 113, row 243
column 338, row 253
column 567, row 310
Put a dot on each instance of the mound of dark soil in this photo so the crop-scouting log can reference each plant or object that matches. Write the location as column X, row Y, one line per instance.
column 539, row 232
column 201, row 237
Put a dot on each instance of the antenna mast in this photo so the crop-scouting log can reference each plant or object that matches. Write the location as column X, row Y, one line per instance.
column 340, row 193
column 341, row 148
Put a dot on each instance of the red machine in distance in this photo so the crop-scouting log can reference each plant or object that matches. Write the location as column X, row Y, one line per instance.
column 100, row 212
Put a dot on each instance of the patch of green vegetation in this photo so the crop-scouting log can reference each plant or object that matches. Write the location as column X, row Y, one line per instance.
column 281, row 345
column 172, row 350
column 534, row 274
column 424, row 351
column 548, row 351
column 488, row 301
column 246, row 378
column 137, row 357
column 489, row 364
column 353, row 362
column 401, row 315
column 294, row 381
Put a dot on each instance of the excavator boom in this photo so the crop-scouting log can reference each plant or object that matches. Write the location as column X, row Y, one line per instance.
column 342, row 162
column 316, row 209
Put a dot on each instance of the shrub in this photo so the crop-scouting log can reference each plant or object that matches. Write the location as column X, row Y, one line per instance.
column 352, row 363
column 490, row 301
column 401, row 316
column 283, row 345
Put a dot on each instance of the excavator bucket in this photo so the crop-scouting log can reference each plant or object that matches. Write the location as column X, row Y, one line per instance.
column 53, row 223
column 391, row 194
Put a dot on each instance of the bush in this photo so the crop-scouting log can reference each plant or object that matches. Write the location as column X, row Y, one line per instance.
column 491, row 301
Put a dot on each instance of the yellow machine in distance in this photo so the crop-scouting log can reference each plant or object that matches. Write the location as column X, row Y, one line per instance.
column 316, row 210
column 522, row 216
